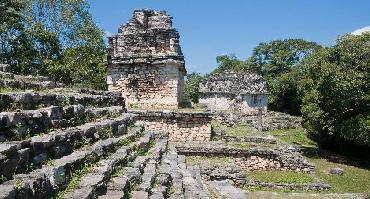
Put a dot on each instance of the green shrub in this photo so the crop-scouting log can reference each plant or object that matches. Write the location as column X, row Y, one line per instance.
column 336, row 94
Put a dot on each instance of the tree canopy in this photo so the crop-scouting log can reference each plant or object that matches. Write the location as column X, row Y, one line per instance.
column 57, row 38
column 278, row 62
column 336, row 92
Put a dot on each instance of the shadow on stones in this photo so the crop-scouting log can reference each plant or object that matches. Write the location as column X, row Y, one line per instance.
column 320, row 153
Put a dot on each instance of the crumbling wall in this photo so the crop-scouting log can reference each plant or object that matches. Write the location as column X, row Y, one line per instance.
column 147, row 86
column 233, row 91
column 178, row 126
column 146, row 62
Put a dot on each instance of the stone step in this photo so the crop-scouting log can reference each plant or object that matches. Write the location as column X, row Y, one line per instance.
column 288, row 157
column 171, row 166
column 193, row 186
column 20, row 124
column 25, row 84
column 51, row 178
column 140, row 173
column 18, row 156
column 184, row 182
column 33, row 100
column 254, row 139
column 224, row 189
column 95, row 182
column 7, row 75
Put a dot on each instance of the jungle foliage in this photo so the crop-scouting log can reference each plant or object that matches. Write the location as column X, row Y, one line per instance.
column 56, row 38
column 327, row 86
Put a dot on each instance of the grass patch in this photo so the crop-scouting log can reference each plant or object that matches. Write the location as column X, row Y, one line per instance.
column 240, row 145
column 9, row 90
column 289, row 177
column 293, row 136
column 354, row 179
column 236, row 130
column 75, row 180
column 198, row 160
column 248, row 145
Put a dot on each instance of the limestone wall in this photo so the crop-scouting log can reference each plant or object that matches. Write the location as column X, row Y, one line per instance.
column 178, row 126
column 145, row 61
column 234, row 91
column 252, row 103
column 148, row 86
column 247, row 103
column 217, row 101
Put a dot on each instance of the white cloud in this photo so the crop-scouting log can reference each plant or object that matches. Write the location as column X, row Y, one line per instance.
column 107, row 34
column 361, row 30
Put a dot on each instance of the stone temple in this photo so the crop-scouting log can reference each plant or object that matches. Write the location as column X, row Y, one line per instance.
column 145, row 61
column 233, row 91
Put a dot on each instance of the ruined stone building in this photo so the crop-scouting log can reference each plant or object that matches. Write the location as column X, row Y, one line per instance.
column 234, row 91
column 145, row 61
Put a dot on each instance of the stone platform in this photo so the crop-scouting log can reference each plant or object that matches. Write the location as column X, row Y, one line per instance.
column 178, row 126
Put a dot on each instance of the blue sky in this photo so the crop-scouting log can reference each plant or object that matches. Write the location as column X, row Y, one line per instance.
column 209, row 28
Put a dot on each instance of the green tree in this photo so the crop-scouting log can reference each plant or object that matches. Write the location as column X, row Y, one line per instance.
column 191, row 90
column 58, row 38
column 281, row 56
column 10, row 26
column 229, row 63
column 336, row 93
column 278, row 62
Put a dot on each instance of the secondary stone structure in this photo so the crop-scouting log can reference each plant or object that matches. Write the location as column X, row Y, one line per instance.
column 145, row 61
column 234, row 91
column 177, row 126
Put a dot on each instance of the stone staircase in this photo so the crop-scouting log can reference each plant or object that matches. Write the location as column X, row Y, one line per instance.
column 10, row 80
column 79, row 143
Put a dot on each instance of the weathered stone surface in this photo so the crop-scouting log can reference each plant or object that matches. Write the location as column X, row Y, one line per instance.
column 285, row 186
column 7, row 192
column 148, row 177
column 22, row 84
column 288, row 158
column 112, row 195
column 234, row 91
column 193, row 186
column 226, row 190
column 58, row 143
column 253, row 139
column 145, row 61
column 218, row 172
column 118, row 183
column 178, row 126
column 29, row 100
column 336, row 171
column 140, row 195
column 156, row 196
column 4, row 68
column 269, row 121
column 84, row 193
column 258, row 163
column 45, row 181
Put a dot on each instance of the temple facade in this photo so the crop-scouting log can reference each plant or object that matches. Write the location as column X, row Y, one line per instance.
column 235, row 91
column 145, row 61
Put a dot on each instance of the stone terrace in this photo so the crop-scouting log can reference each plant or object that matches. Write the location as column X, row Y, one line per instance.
column 68, row 143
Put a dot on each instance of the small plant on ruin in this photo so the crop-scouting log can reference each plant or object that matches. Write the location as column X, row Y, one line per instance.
column 2, row 179
column 80, row 143
column 27, row 134
column 106, row 132
column 18, row 184
column 75, row 179
column 66, row 101
column 151, row 143
column 125, row 142
column 134, row 106
column 30, row 167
